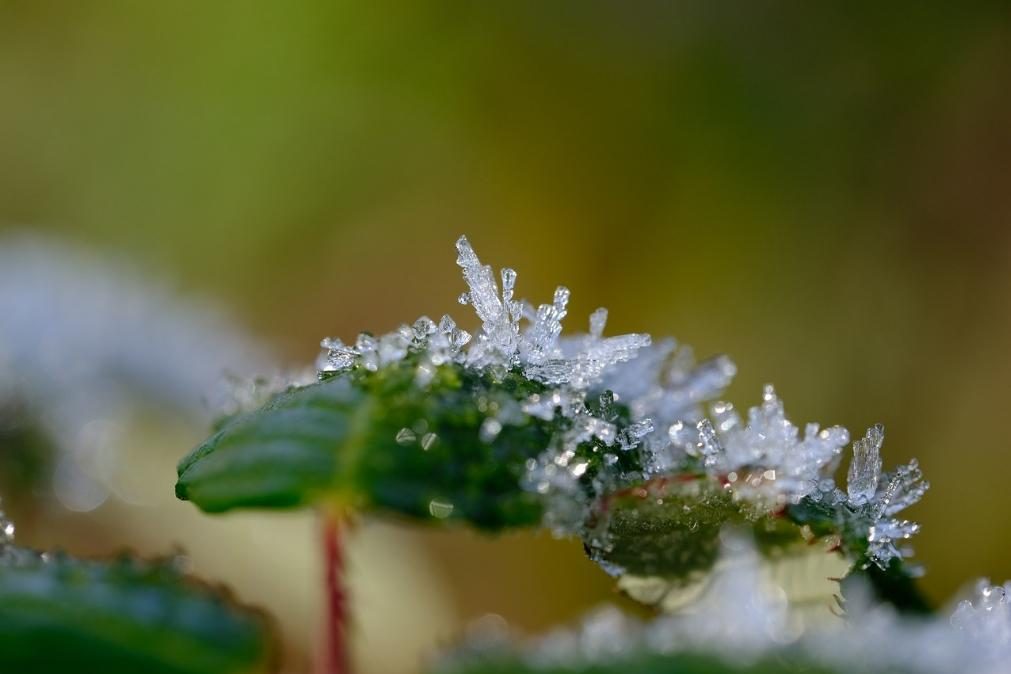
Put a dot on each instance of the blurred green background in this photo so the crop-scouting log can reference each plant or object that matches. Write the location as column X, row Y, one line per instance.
column 821, row 190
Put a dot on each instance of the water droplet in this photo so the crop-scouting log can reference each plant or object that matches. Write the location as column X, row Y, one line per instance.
column 440, row 509
column 428, row 440
column 508, row 279
column 424, row 374
column 406, row 436
column 490, row 429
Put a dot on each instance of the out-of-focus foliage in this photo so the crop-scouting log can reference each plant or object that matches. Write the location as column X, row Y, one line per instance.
column 353, row 443
column 59, row 614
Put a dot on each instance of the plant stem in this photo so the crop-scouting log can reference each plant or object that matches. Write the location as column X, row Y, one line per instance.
column 334, row 653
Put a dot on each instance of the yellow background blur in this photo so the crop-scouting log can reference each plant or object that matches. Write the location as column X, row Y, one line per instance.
column 823, row 191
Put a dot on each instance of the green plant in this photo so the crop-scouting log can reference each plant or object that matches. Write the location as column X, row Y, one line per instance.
column 615, row 440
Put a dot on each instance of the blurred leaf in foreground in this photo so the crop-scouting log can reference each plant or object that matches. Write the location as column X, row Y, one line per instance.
column 60, row 615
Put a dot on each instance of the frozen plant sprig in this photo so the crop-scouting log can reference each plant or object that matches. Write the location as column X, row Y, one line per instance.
column 604, row 438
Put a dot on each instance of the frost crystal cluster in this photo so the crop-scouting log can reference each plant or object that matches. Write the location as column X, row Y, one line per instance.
column 627, row 410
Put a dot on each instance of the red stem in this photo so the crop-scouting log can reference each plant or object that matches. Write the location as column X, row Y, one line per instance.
column 334, row 658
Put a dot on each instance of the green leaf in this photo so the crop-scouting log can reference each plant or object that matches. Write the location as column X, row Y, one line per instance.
column 59, row 615
column 376, row 441
column 26, row 456
column 667, row 527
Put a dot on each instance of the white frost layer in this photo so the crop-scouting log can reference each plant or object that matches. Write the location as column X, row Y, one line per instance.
column 742, row 619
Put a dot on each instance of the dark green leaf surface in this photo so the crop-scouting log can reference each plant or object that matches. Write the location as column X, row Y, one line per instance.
column 668, row 528
column 376, row 441
column 65, row 616
column 663, row 537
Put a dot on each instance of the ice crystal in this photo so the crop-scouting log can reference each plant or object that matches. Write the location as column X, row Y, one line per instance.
column 502, row 343
column 873, row 498
column 879, row 497
column 767, row 458
column 865, row 467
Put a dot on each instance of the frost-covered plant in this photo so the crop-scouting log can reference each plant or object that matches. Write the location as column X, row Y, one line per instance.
column 734, row 528
column 616, row 440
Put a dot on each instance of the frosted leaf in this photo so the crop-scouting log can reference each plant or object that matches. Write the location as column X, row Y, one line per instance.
column 865, row 467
